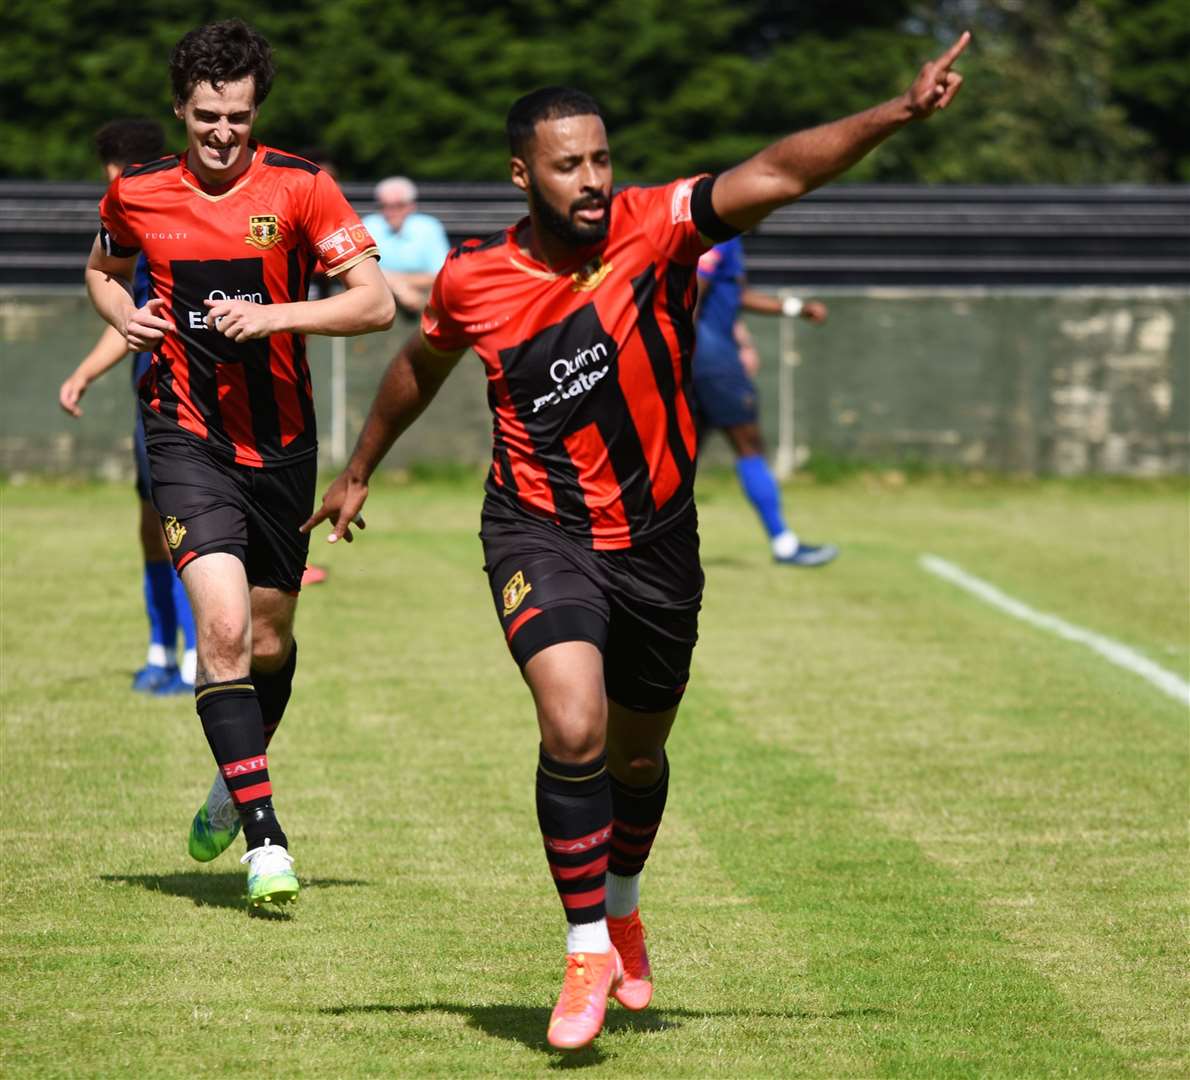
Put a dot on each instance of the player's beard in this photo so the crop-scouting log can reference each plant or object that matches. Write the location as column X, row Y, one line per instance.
column 563, row 226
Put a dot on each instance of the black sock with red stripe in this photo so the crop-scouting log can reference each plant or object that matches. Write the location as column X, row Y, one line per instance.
column 636, row 817
column 231, row 721
column 574, row 810
column 272, row 691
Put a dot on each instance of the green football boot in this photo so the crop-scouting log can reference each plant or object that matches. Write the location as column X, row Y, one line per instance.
column 271, row 879
column 216, row 824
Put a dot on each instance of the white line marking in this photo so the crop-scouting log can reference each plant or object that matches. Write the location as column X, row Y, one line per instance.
column 1164, row 680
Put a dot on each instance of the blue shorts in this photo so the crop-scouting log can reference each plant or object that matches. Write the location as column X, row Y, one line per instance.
column 723, row 392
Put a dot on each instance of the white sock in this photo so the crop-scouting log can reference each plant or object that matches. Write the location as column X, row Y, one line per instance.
column 157, row 657
column 189, row 665
column 588, row 937
column 623, row 894
column 785, row 544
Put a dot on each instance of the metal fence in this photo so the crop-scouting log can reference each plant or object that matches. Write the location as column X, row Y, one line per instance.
column 1036, row 381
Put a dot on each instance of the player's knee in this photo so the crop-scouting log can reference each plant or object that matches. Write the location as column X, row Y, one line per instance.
column 573, row 733
column 637, row 768
column 223, row 645
column 270, row 647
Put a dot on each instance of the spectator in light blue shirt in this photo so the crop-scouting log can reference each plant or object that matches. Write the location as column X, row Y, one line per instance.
column 413, row 246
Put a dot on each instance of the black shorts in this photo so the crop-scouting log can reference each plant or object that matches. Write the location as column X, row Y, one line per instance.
column 638, row 606
column 208, row 504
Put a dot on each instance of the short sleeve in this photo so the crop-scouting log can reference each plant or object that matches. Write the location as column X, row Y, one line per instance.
column 115, row 233
column 665, row 216
column 333, row 229
column 442, row 328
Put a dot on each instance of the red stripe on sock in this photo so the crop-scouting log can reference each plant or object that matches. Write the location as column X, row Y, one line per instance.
column 579, row 844
column 241, row 768
column 570, row 873
column 570, row 901
column 631, row 849
column 250, row 794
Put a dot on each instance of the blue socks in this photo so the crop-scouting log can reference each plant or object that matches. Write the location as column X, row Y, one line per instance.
column 761, row 488
column 159, row 605
column 185, row 616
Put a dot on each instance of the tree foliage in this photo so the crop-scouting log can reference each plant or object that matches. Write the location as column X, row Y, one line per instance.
column 1058, row 90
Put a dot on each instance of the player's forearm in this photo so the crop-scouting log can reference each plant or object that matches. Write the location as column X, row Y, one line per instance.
column 109, row 350
column 110, row 297
column 409, row 384
column 362, row 309
column 760, row 302
column 790, row 168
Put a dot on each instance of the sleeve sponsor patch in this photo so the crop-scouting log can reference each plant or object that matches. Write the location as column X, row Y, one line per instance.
column 680, row 206
column 336, row 246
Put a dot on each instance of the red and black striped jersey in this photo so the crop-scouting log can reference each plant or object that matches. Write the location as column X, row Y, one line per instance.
column 588, row 372
column 259, row 240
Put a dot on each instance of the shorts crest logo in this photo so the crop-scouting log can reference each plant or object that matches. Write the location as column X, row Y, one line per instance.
column 175, row 532
column 515, row 591
column 263, row 231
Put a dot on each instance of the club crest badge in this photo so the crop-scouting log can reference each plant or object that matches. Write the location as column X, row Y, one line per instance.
column 263, row 231
column 590, row 276
column 515, row 591
column 175, row 532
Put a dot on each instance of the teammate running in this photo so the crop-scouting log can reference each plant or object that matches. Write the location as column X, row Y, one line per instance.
column 582, row 316
column 121, row 143
column 726, row 395
column 232, row 231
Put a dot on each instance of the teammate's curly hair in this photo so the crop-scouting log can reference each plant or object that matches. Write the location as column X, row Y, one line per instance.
column 130, row 140
column 218, row 53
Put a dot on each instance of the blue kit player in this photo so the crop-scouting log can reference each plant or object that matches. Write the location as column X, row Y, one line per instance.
column 122, row 143
column 726, row 394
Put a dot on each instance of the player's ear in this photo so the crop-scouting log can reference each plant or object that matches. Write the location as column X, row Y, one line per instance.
column 179, row 109
column 519, row 172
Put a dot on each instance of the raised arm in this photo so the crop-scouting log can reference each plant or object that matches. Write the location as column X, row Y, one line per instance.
column 789, row 168
column 406, row 388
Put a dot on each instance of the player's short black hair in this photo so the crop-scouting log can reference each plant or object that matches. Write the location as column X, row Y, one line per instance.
column 130, row 140
column 548, row 103
column 218, row 53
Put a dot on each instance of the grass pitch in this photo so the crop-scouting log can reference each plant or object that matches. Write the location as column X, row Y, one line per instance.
column 907, row 835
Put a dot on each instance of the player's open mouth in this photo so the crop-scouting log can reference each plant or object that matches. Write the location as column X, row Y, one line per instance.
column 221, row 153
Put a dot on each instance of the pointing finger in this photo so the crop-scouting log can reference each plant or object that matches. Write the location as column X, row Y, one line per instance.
column 956, row 50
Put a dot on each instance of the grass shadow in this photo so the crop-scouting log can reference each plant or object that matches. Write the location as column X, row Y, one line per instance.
column 526, row 1024
column 225, row 889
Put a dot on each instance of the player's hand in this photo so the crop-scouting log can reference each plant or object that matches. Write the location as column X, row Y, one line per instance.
column 146, row 327
column 936, row 85
column 71, row 392
column 341, row 505
column 240, row 320
column 749, row 359
column 814, row 311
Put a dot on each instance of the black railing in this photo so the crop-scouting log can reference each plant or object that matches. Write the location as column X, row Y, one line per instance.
column 862, row 235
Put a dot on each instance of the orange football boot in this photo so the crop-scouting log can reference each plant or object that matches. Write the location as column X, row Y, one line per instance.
column 628, row 936
column 578, row 1016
